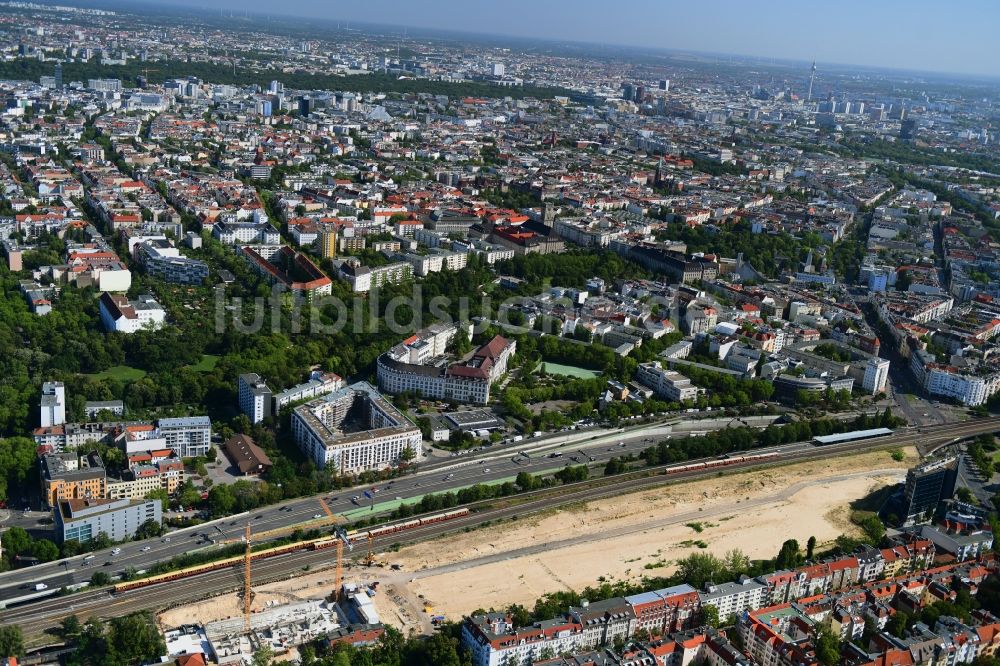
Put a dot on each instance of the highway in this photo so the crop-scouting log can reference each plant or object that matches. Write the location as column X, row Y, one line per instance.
column 433, row 476
column 42, row 614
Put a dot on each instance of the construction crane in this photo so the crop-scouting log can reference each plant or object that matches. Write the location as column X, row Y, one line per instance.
column 370, row 557
column 247, row 598
column 339, row 578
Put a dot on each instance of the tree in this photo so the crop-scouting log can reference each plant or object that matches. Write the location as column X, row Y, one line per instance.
column 810, row 547
column 263, row 656
column 70, row 627
column 99, row 578
column 407, row 454
column 221, row 500
column 788, row 556
column 897, row 624
column 710, row 616
column 148, row 530
column 873, row 528
column 16, row 541
column 134, row 639
column 827, row 646
column 45, row 550
column 11, row 641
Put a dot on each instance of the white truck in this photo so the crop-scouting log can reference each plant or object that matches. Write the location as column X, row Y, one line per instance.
column 40, row 586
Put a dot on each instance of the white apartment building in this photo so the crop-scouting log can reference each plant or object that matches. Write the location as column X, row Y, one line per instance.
column 320, row 383
column 968, row 389
column 187, row 436
column 411, row 366
column 435, row 262
column 246, row 233
column 53, row 404
column 734, row 598
column 118, row 314
column 365, row 278
column 876, row 375
column 317, row 428
column 255, row 397
column 668, row 384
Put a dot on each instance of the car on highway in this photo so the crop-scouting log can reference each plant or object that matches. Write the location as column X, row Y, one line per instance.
column 356, row 499
column 317, row 516
column 486, row 471
column 115, row 551
column 145, row 548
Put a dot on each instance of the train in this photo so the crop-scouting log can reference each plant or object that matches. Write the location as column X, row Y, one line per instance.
column 720, row 462
column 353, row 536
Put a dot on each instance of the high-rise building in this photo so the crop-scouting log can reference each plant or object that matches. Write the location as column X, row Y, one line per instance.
column 926, row 486
column 908, row 129
column 876, row 374
column 628, row 92
column 499, row 69
column 305, row 106
column 53, row 404
column 328, row 243
column 58, row 76
column 255, row 397
column 665, row 85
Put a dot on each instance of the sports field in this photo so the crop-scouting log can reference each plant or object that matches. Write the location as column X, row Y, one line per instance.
column 568, row 370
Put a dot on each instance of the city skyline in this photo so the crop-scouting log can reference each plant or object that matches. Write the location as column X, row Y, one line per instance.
column 778, row 30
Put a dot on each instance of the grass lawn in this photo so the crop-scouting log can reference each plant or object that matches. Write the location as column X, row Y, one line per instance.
column 569, row 371
column 206, row 364
column 124, row 373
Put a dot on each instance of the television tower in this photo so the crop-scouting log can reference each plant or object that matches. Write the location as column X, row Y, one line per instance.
column 812, row 79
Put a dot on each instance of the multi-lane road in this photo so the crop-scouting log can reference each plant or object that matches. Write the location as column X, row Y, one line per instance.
column 487, row 466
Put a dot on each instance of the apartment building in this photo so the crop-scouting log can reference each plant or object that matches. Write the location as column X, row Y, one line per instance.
column 119, row 314
column 666, row 610
column 245, row 233
column 140, row 480
column 164, row 261
column 365, row 278
column 319, row 428
column 68, row 476
column 732, row 598
column 188, row 436
column 83, row 519
column 52, row 407
column 876, row 375
column 668, row 384
column 319, row 383
column 493, row 640
column 417, row 365
column 255, row 397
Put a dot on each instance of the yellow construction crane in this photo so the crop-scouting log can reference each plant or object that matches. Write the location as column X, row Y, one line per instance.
column 246, row 582
column 339, row 578
column 370, row 556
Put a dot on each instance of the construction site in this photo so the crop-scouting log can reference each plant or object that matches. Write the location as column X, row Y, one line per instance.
column 623, row 538
column 345, row 613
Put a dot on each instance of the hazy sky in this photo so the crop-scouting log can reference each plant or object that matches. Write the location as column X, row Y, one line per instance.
column 932, row 35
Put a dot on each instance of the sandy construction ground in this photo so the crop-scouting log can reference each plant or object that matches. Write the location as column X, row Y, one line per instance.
column 614, row 539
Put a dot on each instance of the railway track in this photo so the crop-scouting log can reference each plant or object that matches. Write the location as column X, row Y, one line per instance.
column 35, row 618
